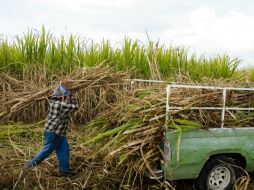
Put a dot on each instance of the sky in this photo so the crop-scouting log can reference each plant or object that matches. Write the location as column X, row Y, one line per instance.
column 205, row 27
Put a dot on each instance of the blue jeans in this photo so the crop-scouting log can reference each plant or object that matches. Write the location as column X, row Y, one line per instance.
column 53, row 142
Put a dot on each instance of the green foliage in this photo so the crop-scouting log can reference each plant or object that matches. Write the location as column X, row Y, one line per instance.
column 18, row 130
column 66, row 53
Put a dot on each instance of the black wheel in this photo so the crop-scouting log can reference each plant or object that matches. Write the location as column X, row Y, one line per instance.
column 219, row 173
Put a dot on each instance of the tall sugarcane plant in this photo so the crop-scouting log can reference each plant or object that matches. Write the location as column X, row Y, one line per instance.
column 66, row 53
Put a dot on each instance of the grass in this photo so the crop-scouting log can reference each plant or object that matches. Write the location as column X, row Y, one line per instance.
column 54, row 55
column 18, row 130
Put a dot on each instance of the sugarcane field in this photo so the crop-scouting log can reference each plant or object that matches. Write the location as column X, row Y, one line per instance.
column 146, row 116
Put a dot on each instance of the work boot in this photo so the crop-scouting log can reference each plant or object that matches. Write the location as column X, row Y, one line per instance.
column 69, row 173
column 26, row 169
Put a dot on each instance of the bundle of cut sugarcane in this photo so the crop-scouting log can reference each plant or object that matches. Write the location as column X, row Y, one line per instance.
column 26, row 101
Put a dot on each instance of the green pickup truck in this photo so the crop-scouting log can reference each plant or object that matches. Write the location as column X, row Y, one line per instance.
column 214, row 157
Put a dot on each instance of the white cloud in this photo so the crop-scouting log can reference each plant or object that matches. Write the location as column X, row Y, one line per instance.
column 211, row 33
column 202, row 15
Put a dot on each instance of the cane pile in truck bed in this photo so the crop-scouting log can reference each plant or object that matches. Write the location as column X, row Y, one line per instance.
column 129, row 134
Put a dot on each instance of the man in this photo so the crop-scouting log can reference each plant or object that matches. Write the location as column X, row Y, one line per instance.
column 61, row 103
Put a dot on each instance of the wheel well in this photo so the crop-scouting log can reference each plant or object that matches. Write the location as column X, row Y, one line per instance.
column 236, row 156
column 214, row 161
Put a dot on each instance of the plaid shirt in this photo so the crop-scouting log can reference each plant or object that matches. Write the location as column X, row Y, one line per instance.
column 58, row 115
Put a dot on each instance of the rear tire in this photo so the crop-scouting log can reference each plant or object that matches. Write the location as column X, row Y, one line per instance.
column 219, row 173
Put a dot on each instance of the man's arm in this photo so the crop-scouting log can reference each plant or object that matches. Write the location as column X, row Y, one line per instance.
column 72, row 105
